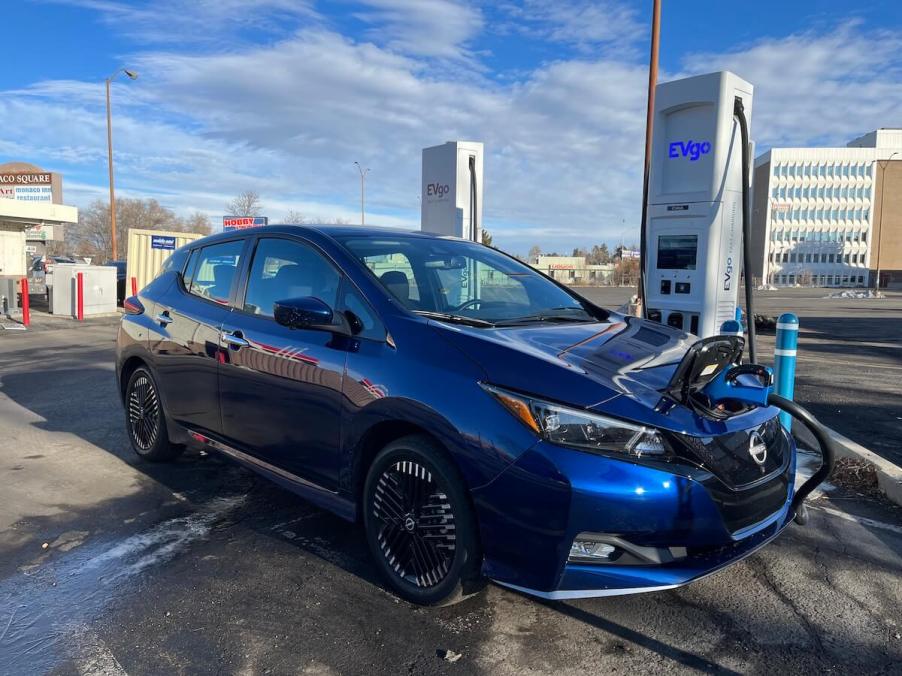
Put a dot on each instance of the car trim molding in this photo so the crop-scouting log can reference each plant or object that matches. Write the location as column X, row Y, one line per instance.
column 563, row 594
column 314, row 492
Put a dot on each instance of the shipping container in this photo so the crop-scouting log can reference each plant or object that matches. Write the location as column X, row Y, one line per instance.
column 148, row 250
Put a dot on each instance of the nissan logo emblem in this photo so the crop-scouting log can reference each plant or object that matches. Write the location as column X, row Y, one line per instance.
column 757, row 448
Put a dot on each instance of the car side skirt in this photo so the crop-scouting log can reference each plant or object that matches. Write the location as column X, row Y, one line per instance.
column 322, row 497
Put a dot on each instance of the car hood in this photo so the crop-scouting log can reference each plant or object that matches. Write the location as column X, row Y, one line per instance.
column 620, row 367
column 625, row 355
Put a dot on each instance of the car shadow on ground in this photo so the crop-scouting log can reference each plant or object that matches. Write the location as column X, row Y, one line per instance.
column 197, row 476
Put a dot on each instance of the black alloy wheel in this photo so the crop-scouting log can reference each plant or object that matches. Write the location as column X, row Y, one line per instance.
column 416, row 532
column 419, row 523
column 143, row 413
column 145, row 420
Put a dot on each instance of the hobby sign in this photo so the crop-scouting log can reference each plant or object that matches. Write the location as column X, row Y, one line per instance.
column 242, row 222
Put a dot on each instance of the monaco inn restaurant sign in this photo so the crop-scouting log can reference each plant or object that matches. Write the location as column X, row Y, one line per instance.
column 27, row 186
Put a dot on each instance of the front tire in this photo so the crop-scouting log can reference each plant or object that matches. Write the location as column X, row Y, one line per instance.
column 144, row 418
column 419, row 524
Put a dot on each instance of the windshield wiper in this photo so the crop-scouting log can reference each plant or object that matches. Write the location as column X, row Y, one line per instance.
column 457, row 319
column 545, row 317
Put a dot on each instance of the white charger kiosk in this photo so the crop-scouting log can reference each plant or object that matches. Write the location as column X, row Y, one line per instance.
column 695, row 208
column 451, row 199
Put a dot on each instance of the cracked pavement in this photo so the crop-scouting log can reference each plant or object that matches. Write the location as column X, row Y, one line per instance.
column 202, row 567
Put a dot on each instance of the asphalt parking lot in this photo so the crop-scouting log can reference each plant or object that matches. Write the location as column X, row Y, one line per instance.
column 201, row 567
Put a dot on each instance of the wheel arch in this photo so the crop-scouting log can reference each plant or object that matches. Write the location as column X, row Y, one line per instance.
column 129, row 366
column 377, row 437
column 372, row 430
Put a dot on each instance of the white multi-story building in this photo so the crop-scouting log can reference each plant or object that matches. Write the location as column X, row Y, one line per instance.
column 815, row 211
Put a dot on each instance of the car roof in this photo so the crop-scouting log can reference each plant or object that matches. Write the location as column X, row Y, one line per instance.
column 329, row 230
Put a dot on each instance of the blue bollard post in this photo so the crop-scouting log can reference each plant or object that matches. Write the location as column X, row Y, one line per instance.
column 731, row 327
column 785, row 361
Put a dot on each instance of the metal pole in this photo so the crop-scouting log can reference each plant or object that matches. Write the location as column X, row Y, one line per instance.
column 109, row 146
column 26, row 303
column 80, row 296
column 363, row 173
column 785, row 361
column 649, row 128
column 880, row 236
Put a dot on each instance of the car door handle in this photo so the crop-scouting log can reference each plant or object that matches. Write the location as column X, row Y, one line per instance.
column 164, row 318
column 235, row 339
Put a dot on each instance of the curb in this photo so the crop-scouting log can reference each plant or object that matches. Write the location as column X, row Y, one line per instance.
column 889, row 475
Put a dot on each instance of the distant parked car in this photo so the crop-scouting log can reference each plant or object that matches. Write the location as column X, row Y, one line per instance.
column 120, row 279
column 44, row 263
column 40, row 267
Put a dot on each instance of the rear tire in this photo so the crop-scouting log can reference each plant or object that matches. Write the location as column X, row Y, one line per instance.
column 419, row 524
column 145, row 420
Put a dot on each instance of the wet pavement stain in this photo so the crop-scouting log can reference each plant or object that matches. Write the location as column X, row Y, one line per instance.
column 45, row 609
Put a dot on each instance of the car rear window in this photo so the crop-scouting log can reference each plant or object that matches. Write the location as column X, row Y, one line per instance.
column 215, row 271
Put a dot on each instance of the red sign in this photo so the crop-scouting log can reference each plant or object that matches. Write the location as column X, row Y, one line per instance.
column 242, row 222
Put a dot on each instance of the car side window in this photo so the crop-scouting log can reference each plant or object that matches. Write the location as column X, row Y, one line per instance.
column 364, row 321
column 395, row 271
column 188, row 275
column 284, row 269
column 215, row 271
column 175, row 262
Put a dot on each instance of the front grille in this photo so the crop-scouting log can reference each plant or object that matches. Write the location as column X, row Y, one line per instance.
column 745, row 489
column 741, row 509
column 729, row 456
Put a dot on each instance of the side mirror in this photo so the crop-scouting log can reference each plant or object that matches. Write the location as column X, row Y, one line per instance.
column 307, row 312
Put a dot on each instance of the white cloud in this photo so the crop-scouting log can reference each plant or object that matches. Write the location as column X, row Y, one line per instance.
column 585, row 25
column 198, row 21
column 822, row 89
column 430, row 28
column 564, row 141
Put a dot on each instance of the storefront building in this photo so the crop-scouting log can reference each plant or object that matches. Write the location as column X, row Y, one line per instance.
column 32, row 215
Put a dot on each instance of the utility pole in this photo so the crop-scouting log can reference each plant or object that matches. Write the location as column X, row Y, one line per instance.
column 132, row 75
column 363, row 173
column 649, row 128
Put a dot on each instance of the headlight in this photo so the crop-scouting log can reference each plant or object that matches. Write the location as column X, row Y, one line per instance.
column 578, row 428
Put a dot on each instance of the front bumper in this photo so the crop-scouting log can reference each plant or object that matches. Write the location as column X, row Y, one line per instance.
column 530, row 515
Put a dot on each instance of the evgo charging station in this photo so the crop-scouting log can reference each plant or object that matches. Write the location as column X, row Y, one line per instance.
column 695, row 202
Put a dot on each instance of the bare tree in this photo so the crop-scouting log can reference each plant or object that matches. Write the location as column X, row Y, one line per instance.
column 534, row 252
column 246, row 204
column 197, row 222
column 294, row 217
column 91, row 235
column 626, row 271
column 486, row 237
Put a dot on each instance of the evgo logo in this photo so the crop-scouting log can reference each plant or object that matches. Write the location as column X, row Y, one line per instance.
column 691, row 149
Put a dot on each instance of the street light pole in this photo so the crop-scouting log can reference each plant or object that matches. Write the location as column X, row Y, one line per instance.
column 880, row 236
column 363, row 173
column 109, row 148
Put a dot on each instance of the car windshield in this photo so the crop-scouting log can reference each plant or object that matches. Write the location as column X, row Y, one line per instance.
column 455, row 280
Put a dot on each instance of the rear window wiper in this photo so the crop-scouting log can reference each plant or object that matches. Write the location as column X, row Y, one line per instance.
column 457, row 319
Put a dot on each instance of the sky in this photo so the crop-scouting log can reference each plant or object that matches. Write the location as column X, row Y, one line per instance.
column 283, row 96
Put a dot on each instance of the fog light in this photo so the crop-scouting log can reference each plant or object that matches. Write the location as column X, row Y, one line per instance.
column 587, row 551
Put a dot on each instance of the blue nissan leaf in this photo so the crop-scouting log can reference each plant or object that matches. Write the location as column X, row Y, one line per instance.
column 481, row 421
